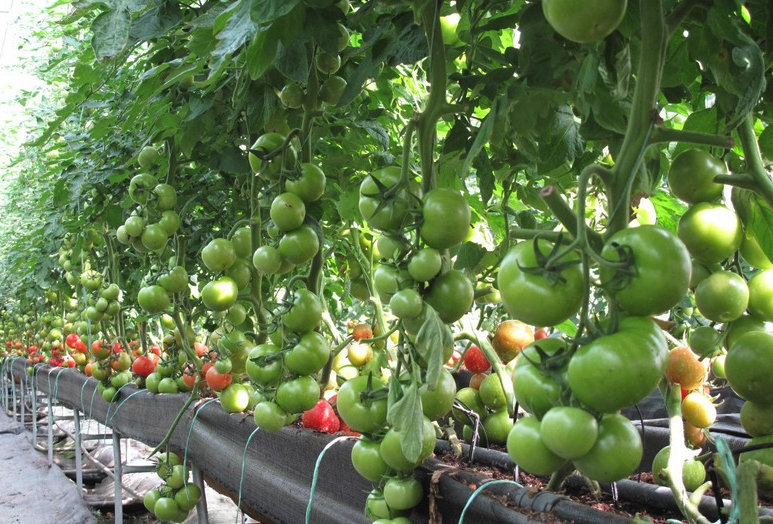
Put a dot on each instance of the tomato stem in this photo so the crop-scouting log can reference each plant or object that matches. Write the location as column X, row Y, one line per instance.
column 754, row 163
column 643, row 113
column 664, row 135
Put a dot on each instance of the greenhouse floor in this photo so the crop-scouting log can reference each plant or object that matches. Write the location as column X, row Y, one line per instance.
column 31, row 492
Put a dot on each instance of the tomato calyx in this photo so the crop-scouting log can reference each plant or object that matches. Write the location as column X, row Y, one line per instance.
column 548, row 267
column 625, row 268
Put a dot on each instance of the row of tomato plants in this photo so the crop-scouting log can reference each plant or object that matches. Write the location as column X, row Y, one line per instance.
column 596, row 321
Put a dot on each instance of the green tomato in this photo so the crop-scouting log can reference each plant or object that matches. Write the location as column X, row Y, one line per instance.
column 175, row 280
column 691, row 177
column 497, row 426
column 761, row 295
column 242, row 242
column 693, row 471
column 218, row 255
column 166, row 196
column 305, row 313
column 153, row 299
column 711, row 232
column 154, row 237
column 267, row 260
column 569, row 432
column 749, row 366
column 403, row 492
column 299, row 246
column 264, row 366
column 188, row 496
column 445, row 218
column 757, row 419
column 362, row 414
column 722, row 296
column 491, row 393
column 536, row 392
column 220, row 294
column 735, row 329
column 451, row 295
column 298, row 394
column 327, row 63
column 536, row 299
column 269, row 416
column 584, row 21
column 425, row 264
column 616, row 371
column 287, row 211
column 140, row 187
column 392, row 447
column 309, row 355
column 406, row 303
column 436, row 403
column 753, row 254
column 166, row 508
column 292, row 95
column 332, row 89
column 367, row 461
column 310, row 185
column 241, row 272
column 616, row 453
column 385, row 212
column 526, row 448
column 659, row 272
column 469, row 399
column 169, row 221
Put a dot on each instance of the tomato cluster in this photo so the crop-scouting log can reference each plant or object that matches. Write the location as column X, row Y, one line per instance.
column 177, row 496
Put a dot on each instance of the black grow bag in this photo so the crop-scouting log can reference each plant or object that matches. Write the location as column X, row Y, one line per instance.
column 274, row 479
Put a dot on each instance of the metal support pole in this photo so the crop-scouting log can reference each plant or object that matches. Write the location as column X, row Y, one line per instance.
column 4, row 391
column 13, row 391
column 34, row 409
column 201, row 505
column 76, row 417
column 50, row 430
column 23, row 408
column 117, row 471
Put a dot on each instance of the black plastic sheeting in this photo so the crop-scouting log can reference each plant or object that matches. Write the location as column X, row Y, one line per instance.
column 273, row 477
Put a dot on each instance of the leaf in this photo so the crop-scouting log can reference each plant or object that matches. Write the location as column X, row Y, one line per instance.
column 565, row 143
column 757, row 217
column 233, row 28
column 262, row 12
column 292, row 60
column 432, row 338
column 470, row 254
column 111, row 33
column 406, row 416
column 766, row 143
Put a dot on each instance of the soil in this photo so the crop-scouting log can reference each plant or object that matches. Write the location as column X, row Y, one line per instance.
column 575, row 489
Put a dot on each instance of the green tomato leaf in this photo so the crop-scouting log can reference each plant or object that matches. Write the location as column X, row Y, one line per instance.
column 111, row 33
column 432, row 337
column 766, row 143
column 757, row 218
column 470, row 254
column 406, row 416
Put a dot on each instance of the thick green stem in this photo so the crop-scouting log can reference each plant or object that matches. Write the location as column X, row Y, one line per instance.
column 747, row 491
column 661, row 135
column 436, row 102
column 310, row 108
column 643, row 113
column 559, row 476
column 754, row 163
column 567, row 216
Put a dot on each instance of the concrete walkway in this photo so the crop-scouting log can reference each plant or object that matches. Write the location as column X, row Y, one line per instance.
column 30, row 491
